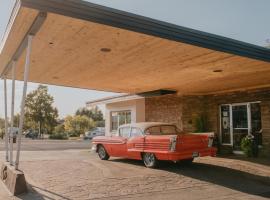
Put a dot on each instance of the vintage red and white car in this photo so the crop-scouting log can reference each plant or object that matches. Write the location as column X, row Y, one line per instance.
column 152, row 142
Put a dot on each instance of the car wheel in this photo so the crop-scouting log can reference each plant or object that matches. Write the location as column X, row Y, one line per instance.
column 102, row 153
column 150, row 160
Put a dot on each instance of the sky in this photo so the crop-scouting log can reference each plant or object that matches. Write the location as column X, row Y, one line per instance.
column 244, row 20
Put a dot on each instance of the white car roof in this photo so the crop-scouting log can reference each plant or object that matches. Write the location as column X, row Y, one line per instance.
column 144, row 125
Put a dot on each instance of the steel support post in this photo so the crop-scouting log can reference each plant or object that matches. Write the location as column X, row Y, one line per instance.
column 26, row 75
column 6, row 119
column 11, row 134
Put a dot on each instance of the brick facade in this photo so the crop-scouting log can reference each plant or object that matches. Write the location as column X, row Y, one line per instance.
column 184, row 110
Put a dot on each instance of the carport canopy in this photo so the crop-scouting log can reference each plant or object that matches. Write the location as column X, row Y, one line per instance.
column 84, row 45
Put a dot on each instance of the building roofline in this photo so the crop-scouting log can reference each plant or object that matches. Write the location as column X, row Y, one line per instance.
column 121, row 19
column 114, row 99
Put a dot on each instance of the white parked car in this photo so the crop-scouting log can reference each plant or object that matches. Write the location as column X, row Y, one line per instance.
column 98, row 131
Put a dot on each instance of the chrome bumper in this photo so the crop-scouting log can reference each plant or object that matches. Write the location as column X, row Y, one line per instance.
column 94, row 148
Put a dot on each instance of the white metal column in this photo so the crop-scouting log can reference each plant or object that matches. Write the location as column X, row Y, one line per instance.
column 231, row 124
column 26, row 75
column 249, row 118
column 12, row 112
column 6, row 119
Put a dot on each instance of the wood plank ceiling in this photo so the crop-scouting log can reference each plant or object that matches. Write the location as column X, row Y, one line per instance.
column 77, row 53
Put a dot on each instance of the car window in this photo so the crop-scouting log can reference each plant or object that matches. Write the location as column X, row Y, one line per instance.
column 162, row 130
column 124, row 132
column 154, row 130
column 168, row 130
column 135, row 132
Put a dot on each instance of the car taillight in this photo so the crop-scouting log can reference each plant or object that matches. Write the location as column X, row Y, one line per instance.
column 173, row 141
column 210, row 141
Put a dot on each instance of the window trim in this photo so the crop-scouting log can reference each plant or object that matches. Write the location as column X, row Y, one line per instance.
column 129, row 132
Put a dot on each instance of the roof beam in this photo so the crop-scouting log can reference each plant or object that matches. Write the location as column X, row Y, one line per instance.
column 120, row 19
column 32, row 31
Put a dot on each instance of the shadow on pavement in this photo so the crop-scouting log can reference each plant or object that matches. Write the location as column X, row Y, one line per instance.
column 37, row 193
column 230, row 178
column 261, row 161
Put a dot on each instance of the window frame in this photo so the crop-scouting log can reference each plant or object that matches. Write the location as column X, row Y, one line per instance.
column 231, row 143
column 118, row 118
column 129, row 132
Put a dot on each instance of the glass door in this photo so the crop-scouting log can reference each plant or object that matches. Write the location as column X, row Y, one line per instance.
column 225, row 124
column 239, row 120
column 241, row 125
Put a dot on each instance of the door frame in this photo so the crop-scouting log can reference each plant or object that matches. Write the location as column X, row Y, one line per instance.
column 231, row 119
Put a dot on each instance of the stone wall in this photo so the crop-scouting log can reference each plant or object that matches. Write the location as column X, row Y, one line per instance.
column 164, row 109
column 184, row 110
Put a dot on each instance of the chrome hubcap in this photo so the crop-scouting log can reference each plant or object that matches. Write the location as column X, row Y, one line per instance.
column 149, row 159
column 101, row 152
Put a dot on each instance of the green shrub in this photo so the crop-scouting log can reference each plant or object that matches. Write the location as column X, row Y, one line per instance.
column 59, row 128
column 74, row 134
column 201, row 124
column 2, row 133
column 59, row 136
column 246, row 146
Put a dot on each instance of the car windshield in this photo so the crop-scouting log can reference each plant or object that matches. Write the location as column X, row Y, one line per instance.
column 162, row 130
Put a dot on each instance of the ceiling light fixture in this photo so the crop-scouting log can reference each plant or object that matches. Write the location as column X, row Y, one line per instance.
column 218, row 70
column 105, row 50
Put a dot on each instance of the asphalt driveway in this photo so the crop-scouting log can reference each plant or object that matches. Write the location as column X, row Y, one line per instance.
column 49, row 145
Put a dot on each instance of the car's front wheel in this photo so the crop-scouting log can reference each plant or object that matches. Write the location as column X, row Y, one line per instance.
column 150, row 160
column 102, row 153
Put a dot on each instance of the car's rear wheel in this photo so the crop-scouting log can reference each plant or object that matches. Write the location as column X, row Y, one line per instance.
column 150, row 160
column 102, row 153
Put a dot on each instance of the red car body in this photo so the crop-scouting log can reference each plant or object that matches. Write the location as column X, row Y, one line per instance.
column 170, row 145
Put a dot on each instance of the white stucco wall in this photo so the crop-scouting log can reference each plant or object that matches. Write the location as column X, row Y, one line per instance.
column 137, row 108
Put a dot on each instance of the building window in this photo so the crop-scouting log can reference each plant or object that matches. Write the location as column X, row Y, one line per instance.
column 119, row 118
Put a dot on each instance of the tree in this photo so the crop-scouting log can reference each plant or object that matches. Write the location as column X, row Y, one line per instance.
column 60, row 128
column 95, row 114
column 39, row 111
column 16, row 120
column 2, row 127
column 2, row 123
column 76, row 125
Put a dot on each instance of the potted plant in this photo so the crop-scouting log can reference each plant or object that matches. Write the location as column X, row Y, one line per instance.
column 247, row 145
column 201, row 124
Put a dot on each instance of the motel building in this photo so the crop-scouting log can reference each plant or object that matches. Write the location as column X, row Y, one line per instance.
column 231, row 115
column 170, row 73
